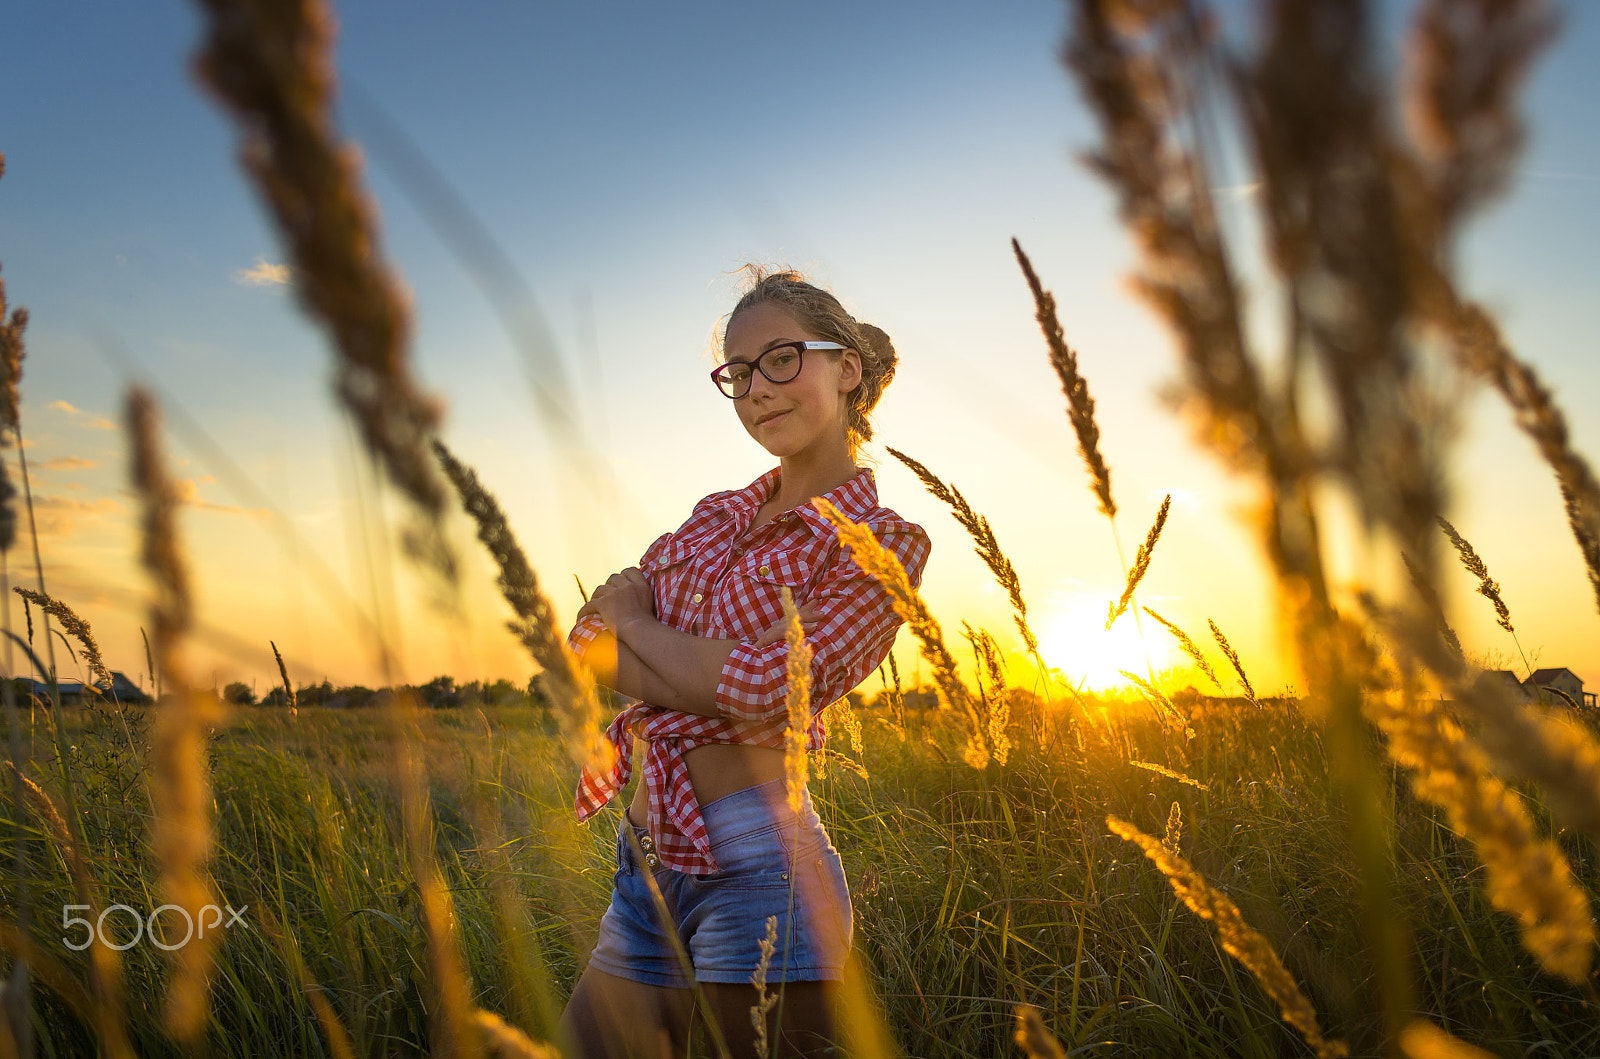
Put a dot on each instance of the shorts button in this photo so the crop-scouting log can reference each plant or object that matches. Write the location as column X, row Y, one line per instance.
column 785, row 875
column 652, row 861
column 649, row 846
column 698, row 597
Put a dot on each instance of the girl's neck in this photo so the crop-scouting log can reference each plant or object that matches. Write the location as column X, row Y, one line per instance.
column 811, row 473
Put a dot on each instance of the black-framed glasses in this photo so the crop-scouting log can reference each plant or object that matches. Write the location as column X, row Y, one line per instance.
column 779, row 364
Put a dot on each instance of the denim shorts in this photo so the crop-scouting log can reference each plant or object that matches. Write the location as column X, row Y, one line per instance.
column 771, row 863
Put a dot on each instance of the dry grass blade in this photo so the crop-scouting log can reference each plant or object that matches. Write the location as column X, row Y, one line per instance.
column 47, row 969
column 995, row 697
column 798, row 680
column 339, row 1042
column 506, row 1040
column 48, row 812
column 1475, row 566
column 765, row 1001
column 1080, row 406
column 1238, row 938
column 1125, row 72
column 180, row 783
column 1233, row 657
column 1188, row 646
column 1423, row 1040
column 840, row 715
column 988, row 548
column 72, row 623
column 283, row 674
column 1162, row 770
column 1435, row 607
column 879, row 563
column 1467, row 58
column 11, row 354
column 452, row 1032
column 567, row 679
column 1551, row 747
column 1155, row 695
column 1172, row 838
column 1527, row 877
column 272, row 64
column 1033, row 1038
column 1480, row 348
column 1141, row 563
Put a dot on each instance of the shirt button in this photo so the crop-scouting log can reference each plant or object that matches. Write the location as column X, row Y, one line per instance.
column 698, row 597
column 766, row 570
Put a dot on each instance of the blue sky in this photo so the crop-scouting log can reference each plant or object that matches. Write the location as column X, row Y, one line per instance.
column 628, row 158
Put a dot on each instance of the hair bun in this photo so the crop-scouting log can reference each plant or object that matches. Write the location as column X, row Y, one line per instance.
column 882, row 350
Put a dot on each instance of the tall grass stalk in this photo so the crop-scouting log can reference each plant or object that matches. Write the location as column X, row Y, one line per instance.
column 180, row 784
column 271, row 66
column 879, row 563
column 1240, row 940
column 988, row 549
column 568, row 680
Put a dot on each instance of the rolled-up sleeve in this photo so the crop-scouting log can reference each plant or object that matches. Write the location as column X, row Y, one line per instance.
column 856, row 628
column 583, row 633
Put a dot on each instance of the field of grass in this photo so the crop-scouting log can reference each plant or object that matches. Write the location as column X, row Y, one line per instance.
column 973, row 890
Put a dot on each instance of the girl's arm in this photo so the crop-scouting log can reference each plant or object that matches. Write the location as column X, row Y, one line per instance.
column 655, row 662
column 618, row 667
column 689, row 667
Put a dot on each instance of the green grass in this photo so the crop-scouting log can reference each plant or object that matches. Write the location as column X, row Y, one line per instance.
column 972, row 891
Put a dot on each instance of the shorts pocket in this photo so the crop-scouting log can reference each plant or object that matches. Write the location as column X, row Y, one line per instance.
column 833, row 891
column 761, row 860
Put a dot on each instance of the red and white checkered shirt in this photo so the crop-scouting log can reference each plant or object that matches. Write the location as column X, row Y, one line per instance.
column 709, row 582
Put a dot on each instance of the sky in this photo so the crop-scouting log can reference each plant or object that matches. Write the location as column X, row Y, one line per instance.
column 626, row 159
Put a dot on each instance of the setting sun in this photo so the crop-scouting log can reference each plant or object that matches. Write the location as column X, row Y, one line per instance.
column 1074, row 638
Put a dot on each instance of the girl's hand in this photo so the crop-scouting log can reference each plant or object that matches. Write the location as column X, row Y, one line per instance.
column 625, row 595
column 809, row 618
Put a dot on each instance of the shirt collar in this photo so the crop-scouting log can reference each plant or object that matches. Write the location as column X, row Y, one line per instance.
column 855, row 499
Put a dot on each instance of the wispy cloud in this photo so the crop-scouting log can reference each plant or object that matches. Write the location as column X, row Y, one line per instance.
column 188, row 492
column 58, row 516
column 70, row 463
column 263, row 274
column 80, row 417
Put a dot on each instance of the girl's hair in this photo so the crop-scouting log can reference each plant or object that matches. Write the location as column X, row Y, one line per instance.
column 819, row 312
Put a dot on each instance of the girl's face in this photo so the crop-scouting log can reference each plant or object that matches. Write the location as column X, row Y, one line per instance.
column 790, row 417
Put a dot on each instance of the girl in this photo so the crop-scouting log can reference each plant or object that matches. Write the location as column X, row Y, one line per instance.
column 696, row 633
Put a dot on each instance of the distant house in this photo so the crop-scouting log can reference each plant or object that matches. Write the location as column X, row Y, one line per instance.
column 1508, row 682
column 72, row 691
column 121, row 689
column 1544, row 682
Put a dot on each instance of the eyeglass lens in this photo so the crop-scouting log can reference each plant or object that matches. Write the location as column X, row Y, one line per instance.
column 778, row 364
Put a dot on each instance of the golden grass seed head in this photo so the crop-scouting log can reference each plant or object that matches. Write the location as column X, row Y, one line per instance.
column 798, row 681
column 1240, row 940
column 1141, row 562
column 1421, row 1039
column 1035, row 1040
column 1080, row 406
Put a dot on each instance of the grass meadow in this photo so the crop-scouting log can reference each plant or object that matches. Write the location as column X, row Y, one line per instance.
column 1401, row 861
column 973, row 890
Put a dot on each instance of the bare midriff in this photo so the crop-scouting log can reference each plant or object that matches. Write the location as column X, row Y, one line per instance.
column 715, row 770
column 718, row 769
